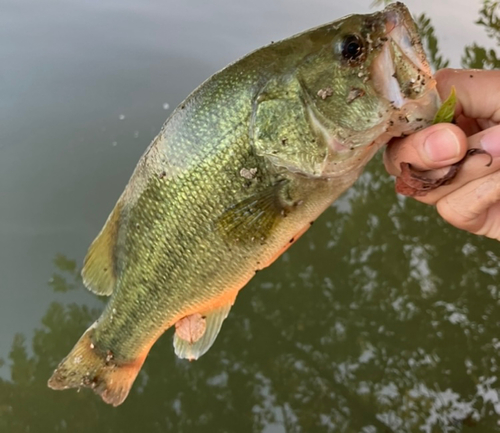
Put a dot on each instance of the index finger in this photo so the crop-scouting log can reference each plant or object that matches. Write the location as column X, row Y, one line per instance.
column 478, row 92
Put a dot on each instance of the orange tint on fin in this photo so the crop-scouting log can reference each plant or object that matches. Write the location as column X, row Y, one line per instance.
column 191, row 328
column 192, row 349
column 86, row 367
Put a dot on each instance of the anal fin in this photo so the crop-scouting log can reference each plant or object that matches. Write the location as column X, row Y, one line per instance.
column 192, row 348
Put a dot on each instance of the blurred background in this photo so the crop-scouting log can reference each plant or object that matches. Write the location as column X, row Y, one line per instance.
column 382, row 318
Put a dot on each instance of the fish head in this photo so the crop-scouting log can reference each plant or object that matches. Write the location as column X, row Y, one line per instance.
column 368, row 81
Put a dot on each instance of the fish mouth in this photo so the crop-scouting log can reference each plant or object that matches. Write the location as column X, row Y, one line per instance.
column 401, row 73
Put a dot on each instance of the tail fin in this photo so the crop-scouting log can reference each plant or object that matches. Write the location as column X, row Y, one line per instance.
column 86, row 366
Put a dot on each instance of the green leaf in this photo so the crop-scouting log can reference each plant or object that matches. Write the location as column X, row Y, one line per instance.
column 447, row 110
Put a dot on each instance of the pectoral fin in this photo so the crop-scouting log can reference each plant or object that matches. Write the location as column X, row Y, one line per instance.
column 253, row 219
column 198, row 332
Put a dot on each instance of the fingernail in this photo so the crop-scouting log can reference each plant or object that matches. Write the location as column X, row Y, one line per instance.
column 442, row 145
column 491, row 141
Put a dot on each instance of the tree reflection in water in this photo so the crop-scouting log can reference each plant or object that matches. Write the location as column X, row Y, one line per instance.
column 382, row 319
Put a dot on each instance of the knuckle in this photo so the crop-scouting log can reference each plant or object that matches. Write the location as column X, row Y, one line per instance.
column 444, row 73
column 455, row 213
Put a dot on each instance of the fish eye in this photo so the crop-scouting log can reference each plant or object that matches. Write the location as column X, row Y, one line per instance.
column 352, row 47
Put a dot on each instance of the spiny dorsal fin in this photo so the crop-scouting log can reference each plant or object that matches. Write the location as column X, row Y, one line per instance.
column 185, row 349
column 99, row 266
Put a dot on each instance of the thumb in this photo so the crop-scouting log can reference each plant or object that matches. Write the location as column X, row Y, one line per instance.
column 432, row 148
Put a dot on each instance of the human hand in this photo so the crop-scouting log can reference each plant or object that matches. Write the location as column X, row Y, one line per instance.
column 471, row 201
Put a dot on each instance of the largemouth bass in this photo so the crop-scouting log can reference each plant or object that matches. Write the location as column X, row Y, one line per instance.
column 237, row 173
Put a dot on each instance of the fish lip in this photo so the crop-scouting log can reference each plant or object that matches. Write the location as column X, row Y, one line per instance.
column 384, row 77
column 402, row 47
column 401, row 35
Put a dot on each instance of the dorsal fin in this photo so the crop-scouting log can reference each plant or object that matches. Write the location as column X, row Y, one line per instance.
column 99, row 266
column 212, row 323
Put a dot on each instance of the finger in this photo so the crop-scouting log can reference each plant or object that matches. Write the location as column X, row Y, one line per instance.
column 475, row 207
column 434, row 147
column 475, row 167
column 468, row 125
column 477, row 92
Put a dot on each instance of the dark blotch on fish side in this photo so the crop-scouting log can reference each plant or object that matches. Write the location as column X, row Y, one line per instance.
column 354, row 93
column 325, row 93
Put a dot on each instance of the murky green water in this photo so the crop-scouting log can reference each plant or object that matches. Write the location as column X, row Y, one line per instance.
column 382, row 318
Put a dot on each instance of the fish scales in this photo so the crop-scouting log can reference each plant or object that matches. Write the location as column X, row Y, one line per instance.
column 238, row 172
column 205, row 187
